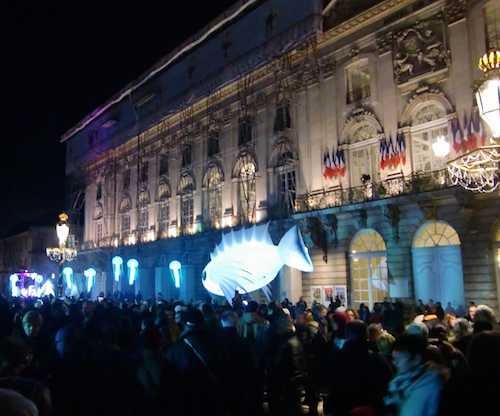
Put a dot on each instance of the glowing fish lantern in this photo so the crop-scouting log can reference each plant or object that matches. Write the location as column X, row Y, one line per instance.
column 90, row 275
column 117, row 263
column 133, row 267
column 247, row 260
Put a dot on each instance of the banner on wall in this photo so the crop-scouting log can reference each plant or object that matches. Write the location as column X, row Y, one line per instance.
column 341, row 293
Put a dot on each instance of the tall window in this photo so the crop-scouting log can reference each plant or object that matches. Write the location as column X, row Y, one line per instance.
column 125, row 226
column 185, row 189
column 143, row 219
column 126, row 180
column 99, row 231
column 245, row 130
column 246, row 192
column 369, row 277
column 287, row 190
column 163, row 165
column 364, row 161
column 213, row 196
column 144, row 172
column 213, row 145
column 492, row 17
column 428, row 123
column 99, row 191
column 358, row 81
column 163, row 217
column 186, row 155
column 282, row 118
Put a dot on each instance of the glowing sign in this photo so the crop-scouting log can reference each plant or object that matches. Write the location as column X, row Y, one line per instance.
column 175, row 267
column 117, row 263
column 133, row 269
column 90, row 275
column 14, row 290
column 68, row 276
column 247, row 260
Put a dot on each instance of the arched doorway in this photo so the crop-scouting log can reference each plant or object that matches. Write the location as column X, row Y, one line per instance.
column 437, row 264
column 369, row 277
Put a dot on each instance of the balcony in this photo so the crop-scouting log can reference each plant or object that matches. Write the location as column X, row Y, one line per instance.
column 335, row 197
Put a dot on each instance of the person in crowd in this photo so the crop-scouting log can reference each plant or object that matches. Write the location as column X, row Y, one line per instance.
column 364, row 312
column 253, row 324
column 365, row 374
column 416, row 388
column 484, row 319
column 471, row 311
column 379, row 340
column 13, row 403
column 461, row 334
column 352, row 314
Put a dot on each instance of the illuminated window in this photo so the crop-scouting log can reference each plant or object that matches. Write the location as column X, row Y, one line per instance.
column 247, row 193
column 213, row 196
column 369, row 276
column 185, row 189
column 213, row 145
column 143, row 219
column 424, row 159
column 358, row 82
column 163, row 217
column 99, row 232
column 436, row 233
column 287, row 190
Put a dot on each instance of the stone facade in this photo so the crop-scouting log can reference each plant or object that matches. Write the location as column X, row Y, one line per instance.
column 249, row 139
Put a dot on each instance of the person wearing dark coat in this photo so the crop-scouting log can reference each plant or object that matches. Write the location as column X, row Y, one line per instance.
column 286, row 369
column 358, row 377
column 191, row 382
column 239, row 375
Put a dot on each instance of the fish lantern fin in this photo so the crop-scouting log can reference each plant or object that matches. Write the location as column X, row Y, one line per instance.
column 228, row 289
column 293, row 251
column 266, row 290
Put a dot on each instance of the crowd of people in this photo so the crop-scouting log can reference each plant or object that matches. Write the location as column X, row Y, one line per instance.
column 122, row 357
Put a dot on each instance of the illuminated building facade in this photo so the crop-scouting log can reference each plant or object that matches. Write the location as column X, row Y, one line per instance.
column 330, row 116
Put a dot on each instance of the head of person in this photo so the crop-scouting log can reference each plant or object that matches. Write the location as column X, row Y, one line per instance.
column 471, row 311
column 484, row 318
column 408, row 352
column 179, row 311
column 374, row 332
column 355, row 331
column 32, row 323
column 351, row 314
column 461, row 328
column 417, row 328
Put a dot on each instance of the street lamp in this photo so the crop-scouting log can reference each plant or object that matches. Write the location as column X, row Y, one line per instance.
column 62, row 253
column 478, row 170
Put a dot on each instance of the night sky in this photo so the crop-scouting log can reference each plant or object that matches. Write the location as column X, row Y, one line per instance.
column 62, row 60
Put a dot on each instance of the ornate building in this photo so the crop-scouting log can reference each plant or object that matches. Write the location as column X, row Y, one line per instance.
column 326, row 116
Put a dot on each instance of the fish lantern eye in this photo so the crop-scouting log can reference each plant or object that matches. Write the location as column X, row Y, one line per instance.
column 204, row 275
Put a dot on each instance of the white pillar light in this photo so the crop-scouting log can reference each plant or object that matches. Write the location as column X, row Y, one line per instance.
column 441, row 147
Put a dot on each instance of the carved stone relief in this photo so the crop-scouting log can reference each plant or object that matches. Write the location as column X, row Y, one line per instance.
column 420, row 49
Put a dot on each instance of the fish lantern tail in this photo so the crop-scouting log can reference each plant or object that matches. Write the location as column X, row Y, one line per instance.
column 293, row 251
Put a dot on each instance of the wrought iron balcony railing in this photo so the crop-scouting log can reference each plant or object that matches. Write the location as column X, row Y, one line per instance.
column 421, row 182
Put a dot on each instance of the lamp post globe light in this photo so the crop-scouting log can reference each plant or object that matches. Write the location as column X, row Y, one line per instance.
column 63, row 253
column 478, row 169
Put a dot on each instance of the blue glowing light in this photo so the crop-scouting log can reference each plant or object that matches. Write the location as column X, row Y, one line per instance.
column 68, row 276
column 247, row 260
column 117, row 263
column 133, row 269
column 14, row 290
column 90, row 275
column 175, row 267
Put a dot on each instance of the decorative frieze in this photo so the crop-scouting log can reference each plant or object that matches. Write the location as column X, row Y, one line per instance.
column 420, row 49
column 455, row 10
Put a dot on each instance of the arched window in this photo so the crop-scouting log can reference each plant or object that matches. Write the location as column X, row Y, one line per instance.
column 244, row 171
column 212, row 195
column 369, row 277
column 362, row 131
column 428, row 123
column 185, row 190
column 437, row 264
column 283, row 160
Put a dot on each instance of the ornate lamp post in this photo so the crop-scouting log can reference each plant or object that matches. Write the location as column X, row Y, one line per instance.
column 62, row 253
column 478, row 170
